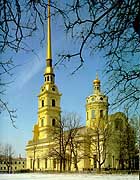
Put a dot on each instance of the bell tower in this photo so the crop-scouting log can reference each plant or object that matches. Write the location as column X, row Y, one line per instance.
column 49, row 97
column 96, row 105
column 49, row 112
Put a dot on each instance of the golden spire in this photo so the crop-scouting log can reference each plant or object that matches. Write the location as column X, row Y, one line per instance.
column 49, row 49
column 49, row 75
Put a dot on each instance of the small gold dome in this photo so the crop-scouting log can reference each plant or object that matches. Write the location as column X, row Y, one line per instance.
column 96, row 81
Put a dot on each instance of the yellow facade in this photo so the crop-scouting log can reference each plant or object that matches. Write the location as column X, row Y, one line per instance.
column 49, row 113
column 49, row 116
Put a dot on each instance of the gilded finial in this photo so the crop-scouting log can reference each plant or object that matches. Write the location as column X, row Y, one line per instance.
column 96, row 81
column 96, row 75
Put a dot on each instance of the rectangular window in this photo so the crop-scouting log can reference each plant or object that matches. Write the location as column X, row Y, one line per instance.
column 46, row 163
column 101, row 114
column 54, row 163
column 93, row 114
column 53, row 102
column 53, row 122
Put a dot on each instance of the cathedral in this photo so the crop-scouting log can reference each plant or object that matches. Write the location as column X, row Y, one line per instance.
column 93, row 142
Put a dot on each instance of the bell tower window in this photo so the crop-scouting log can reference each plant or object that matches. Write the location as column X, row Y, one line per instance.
column 101, row 113
column 48, row 78
column 42, row 103
column 53, row 122
column 53, row 102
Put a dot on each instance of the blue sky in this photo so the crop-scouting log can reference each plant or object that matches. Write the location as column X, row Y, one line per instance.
column 28, row 78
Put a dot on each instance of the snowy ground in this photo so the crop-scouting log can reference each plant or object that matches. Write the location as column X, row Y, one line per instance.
column 66, row 177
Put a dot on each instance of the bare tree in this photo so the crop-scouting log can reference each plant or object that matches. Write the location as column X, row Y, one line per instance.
column 122, row 141
column 62, row 135
column 6, row 69
column 73, row 130
column 7, row 154
column 97, row 141
column 19, row 22
column 134, row 138
column 111, row 27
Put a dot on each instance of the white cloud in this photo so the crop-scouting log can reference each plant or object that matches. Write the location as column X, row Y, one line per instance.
column 29, row 69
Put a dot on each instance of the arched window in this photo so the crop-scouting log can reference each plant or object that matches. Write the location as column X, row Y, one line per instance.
column 101, row 114
column 53, row 102
column 53, row 122
column 42, row 102
column 47, row 78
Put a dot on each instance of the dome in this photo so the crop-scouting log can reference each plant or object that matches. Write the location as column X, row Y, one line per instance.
column 96, row 81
